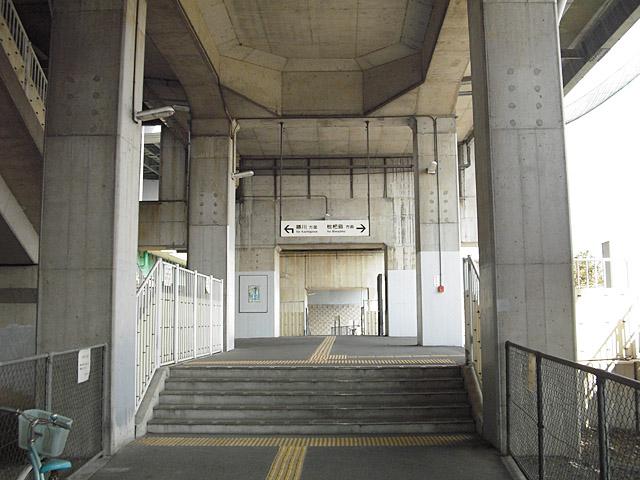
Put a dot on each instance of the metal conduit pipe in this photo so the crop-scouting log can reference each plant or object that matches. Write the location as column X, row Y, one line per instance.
column 436, row 158
column 464, row 150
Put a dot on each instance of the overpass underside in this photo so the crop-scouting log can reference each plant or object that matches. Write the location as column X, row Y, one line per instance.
column 426, row 126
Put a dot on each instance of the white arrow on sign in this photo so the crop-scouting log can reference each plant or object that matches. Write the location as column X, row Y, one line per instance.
column 324, row 228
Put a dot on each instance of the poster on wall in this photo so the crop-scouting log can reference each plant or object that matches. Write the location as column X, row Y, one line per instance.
column 254, row 291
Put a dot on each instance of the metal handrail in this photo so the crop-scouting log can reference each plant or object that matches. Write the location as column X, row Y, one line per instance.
column 178, row 318
column 33, row 70
column 578, row 366
column 473, row 345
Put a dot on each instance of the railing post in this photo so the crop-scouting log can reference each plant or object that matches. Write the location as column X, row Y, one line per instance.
column 210, row 315
column 175, row 313
column 540, row 416
column 48, row 400
column 195, row 314
column 603, row 434
column 159, row 283
column 507, row 366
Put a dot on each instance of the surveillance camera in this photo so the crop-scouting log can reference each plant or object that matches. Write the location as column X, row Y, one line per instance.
column 239, row 175
column 432, row 169
column 155, row 114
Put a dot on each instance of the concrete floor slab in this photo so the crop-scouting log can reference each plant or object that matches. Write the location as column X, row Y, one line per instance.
column 406, row 463
column 283, row 348
column 388, row 346
column 137, row 462
column 303, row 348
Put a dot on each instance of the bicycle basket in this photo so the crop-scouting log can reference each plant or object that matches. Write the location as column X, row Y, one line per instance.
column 51, row 439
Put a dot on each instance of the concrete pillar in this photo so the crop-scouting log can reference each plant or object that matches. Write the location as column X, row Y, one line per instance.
column 438, row 260
column 87, row 282
column 523, row 213
column 212, row 211
column 173, row 167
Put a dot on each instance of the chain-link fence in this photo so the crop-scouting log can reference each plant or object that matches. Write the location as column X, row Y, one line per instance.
column 571, row 421
column 52, row 382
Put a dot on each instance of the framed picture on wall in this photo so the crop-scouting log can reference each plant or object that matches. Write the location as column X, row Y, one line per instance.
column 254, row 294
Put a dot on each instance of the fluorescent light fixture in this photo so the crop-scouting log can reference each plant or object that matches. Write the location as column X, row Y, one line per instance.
column 155, row 114
column 245, row 174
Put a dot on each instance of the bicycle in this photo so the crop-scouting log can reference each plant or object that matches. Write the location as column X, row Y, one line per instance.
column 43, row 435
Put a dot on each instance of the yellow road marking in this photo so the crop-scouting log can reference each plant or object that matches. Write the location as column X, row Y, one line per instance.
column 288, row 464
column 386, row 441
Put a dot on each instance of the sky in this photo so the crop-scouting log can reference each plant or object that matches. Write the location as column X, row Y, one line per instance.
column 603, row 159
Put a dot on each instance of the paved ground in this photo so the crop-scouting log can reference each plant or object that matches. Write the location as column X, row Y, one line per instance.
column 433, row 457
column 354, row 347
column 469, row 461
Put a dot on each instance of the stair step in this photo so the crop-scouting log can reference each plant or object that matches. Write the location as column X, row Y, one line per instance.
column 165, row 426
column 320, row 372
column 395, row 385
column 308, row 413
column 310, row 398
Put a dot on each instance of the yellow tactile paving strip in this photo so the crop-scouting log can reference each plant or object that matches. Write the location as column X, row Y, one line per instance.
column 321, row 355
column 371, row 441
column 436, row 360
column 288, row 464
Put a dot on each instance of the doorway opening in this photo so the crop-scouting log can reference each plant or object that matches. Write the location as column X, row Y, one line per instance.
column 338, row 292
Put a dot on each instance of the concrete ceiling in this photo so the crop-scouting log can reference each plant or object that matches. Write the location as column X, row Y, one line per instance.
column 318, row 57
column 321, row 29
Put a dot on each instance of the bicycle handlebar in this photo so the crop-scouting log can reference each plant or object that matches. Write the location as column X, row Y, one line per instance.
column 10, row 410
column 52, row 420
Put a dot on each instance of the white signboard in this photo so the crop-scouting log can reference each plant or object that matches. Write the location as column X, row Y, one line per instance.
column 84, row 365
column 168, row 275
column 324, row 228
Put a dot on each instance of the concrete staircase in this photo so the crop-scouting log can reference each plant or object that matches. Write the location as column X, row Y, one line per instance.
column 307, row 400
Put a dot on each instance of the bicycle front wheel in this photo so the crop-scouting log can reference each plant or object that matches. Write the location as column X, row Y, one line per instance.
column 26, row 474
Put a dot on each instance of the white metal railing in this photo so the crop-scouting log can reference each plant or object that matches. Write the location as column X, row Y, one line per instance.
column 179, row 317
column 32, row 76
column 473, row 346
column 591, row 272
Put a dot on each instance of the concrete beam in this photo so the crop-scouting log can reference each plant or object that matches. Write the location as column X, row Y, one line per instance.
column 606, row 24
column 172, row 33
column 21, row 244
column 162, row 225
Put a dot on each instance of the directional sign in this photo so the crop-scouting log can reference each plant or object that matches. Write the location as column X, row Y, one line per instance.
column 324, row 228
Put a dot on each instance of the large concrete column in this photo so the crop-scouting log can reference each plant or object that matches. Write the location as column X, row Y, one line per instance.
column 438, row 260
column 523, row 213
column 212, row 211
column 87, row 282
column 173, row 167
